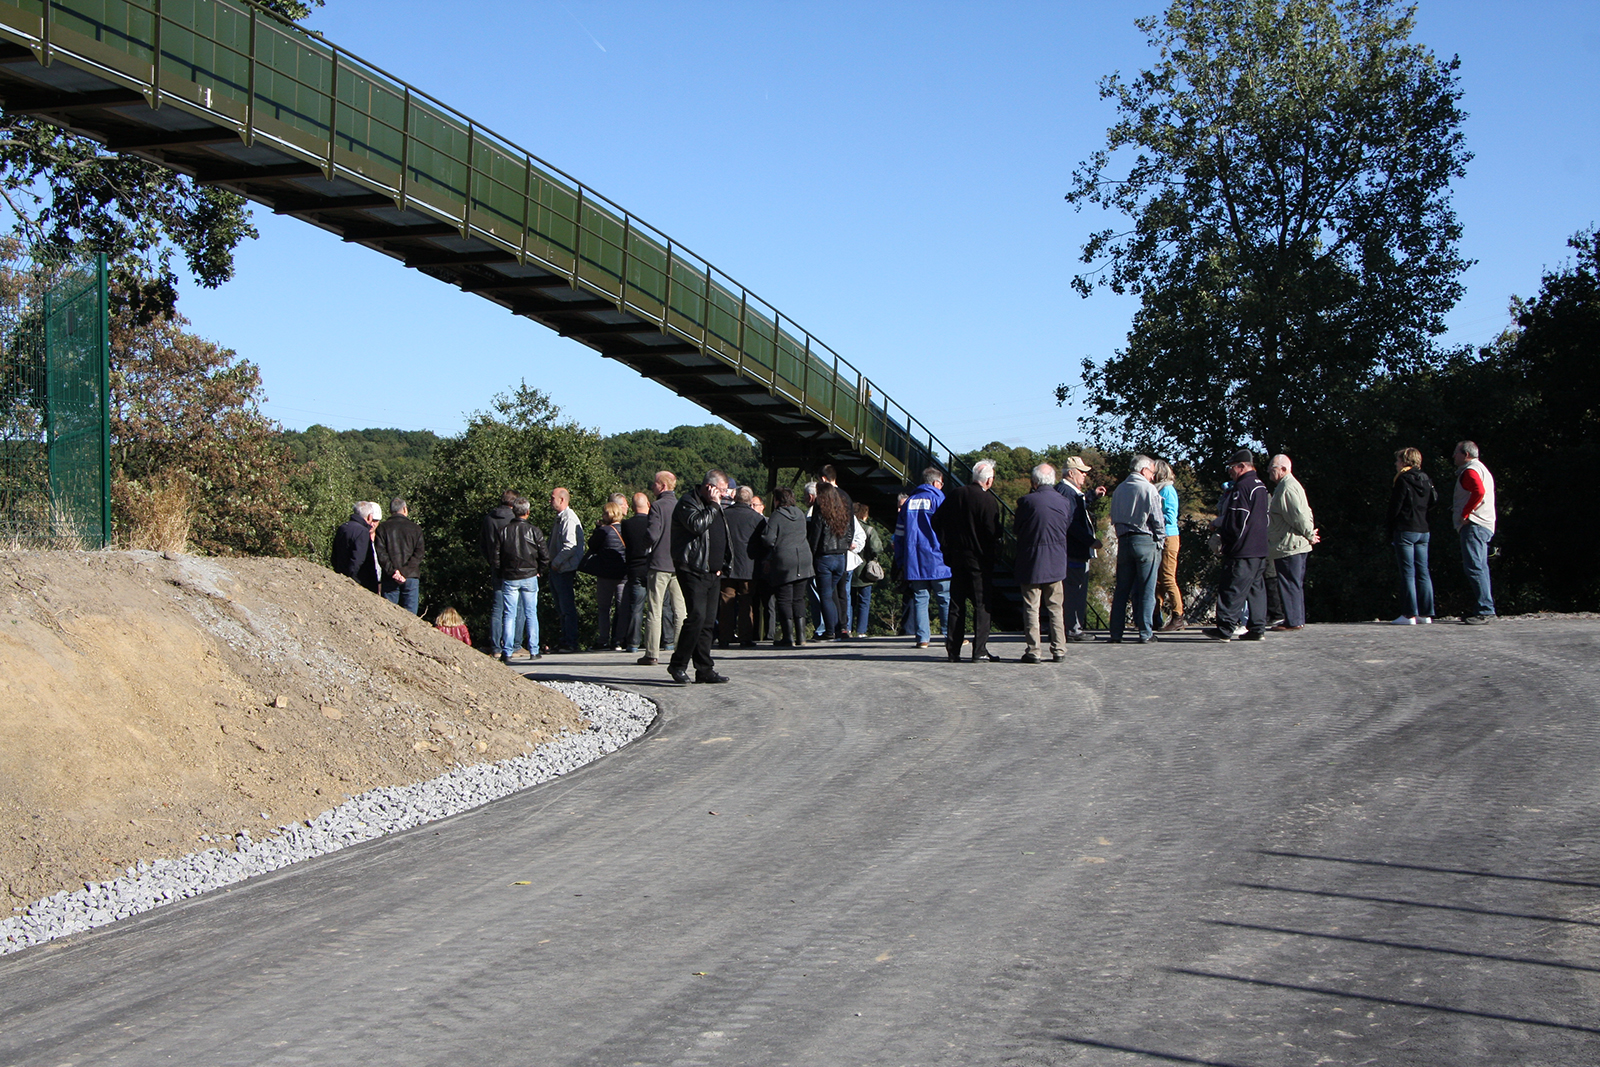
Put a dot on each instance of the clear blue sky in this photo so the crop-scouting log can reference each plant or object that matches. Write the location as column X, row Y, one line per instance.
column 890, row 175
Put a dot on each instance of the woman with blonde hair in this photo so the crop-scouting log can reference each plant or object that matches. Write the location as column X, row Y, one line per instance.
column 1167, row 591
column 1410, row 496
column 607, row 560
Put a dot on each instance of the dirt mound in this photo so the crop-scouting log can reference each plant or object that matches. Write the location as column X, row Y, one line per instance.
column 153, row 706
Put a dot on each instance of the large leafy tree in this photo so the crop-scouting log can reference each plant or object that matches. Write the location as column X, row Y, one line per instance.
column 1286, row 169
column 523, row 444
column 65, row 194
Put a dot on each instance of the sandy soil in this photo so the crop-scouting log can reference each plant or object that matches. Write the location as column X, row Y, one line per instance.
column 152, row 706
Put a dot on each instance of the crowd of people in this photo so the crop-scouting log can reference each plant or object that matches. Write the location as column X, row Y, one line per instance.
column 713, row 568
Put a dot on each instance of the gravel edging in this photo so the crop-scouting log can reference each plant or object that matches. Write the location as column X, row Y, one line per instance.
column 615, row 718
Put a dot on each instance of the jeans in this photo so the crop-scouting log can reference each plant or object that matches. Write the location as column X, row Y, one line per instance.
column 860, row 609
column 1416, row 584
column 1292, row 587
column 519, row 600
column 1137, row 562
column 633, row 600
column 496, row 611
column 831, row 570
column 564, row 585
column 1475, row 564
column 940, row 588
column 407, row 594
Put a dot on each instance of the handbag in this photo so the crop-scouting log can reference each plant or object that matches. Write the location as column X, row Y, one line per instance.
column 871, row 571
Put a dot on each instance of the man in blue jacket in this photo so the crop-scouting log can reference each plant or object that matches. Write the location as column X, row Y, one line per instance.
column 1241, row 524
column 917, row 553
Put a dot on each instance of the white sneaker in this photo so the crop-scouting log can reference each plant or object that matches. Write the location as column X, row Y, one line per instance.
column 1404, row 620
column 1240, row 630
column 1422, row 620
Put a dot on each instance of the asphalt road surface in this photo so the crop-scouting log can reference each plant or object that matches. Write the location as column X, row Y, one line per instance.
column 1355, row 845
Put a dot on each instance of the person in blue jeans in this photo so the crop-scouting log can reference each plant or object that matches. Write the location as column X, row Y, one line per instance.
column 1141, row 525
column 517, row 556
column 1473, row 513
column 919, row 556
column 1410, row 497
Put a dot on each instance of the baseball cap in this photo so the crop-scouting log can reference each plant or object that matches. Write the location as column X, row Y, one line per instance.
column 1074, row 463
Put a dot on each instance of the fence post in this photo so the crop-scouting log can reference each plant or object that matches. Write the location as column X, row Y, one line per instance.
column 103, row 294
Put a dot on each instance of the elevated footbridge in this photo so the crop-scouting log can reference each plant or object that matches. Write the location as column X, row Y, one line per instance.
column 237, row 98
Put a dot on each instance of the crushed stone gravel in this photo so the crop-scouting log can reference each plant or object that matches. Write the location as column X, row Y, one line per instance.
column 615, row 718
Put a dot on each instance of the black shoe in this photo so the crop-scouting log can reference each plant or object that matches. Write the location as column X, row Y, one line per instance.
column 1218, row 635
column 1152, row 639
column 1028, row 657
column 679, row 675
column 1077, row 635
column 1112, row 640
column 710, row 678
column 748, row 644
column 953, row 657
column 1254, row 635
column 647, row 660
column 985, row 657
column 564, row 649
column 1477, row 620
column 505, row 659
column 783, row 642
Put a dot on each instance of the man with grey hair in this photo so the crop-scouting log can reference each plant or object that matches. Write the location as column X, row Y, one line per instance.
column 968, row 527
column 1291, row 531
column 1473, row 513
column 354, row 554
column 400, row 546
column 1141, row 534
column 1043, row 518
column 736, row 618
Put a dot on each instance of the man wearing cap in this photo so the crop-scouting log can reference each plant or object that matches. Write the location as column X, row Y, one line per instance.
column 1241, row 525
column 1082, row 542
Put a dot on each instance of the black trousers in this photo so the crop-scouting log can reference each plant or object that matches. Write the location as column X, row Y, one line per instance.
column 701, row 594
column 1244, row 581
column 969, row 581
column 791, row 610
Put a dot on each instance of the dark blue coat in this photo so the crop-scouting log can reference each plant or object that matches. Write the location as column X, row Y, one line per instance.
column 1043, row 518
column 353, row 553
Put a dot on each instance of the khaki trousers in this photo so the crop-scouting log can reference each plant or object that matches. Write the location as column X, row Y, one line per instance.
column 1167, row 590
column 1051, row 598
column 659, row 586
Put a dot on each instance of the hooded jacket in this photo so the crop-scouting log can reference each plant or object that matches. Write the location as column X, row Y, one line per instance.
column 916, row 547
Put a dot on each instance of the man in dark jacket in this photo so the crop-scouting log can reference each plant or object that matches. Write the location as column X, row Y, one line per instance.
column 517, row 558
column 636, row 552
column 1042, row 521
column 1083, row 541
column 400, row 547
column 354, row 555
column 1241, row 524
column 495, row 520
column 968, row 527
column 736, row 616
column 661, row 584
column 701, row 552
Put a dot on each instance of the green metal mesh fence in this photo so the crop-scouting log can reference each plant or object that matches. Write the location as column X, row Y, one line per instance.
column 55, row 412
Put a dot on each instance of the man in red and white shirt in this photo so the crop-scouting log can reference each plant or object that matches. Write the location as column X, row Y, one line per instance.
column 1473, row 515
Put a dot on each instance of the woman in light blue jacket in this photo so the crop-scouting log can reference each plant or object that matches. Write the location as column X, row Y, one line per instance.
column 1167, row 591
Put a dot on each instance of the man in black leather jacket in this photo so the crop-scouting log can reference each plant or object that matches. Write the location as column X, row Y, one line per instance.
column 701, row 551
column 518, row 557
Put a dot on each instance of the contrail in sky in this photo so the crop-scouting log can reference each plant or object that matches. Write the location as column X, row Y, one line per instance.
column 584, row 28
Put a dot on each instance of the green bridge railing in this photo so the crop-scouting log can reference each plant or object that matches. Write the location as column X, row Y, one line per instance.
column 274, row 83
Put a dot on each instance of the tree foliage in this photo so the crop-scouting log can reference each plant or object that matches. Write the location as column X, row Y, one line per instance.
column 67, row 195
column 522, row 444
column 1287, row 169
column 687, row 451
column 186, row 410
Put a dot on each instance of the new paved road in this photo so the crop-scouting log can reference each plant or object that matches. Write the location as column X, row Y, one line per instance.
column 1357, row 845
